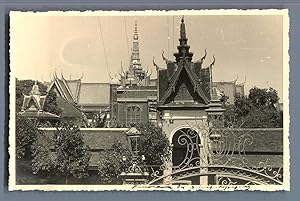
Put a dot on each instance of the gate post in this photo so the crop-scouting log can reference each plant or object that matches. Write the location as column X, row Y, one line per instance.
column 203, row 162
column 168, row 171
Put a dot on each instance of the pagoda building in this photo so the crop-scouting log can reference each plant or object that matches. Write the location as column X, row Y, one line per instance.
column 135, row 75
column 230, row 89
column 33, row 105
column 184, row 84
column 184, row 97
column 134, row 100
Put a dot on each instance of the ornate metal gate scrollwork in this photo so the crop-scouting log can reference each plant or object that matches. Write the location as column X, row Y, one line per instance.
column 221, row 155
column 188, row 139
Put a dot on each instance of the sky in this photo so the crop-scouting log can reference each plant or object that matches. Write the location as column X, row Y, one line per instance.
column 248, row 46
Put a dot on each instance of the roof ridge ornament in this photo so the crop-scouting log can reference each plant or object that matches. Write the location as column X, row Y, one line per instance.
column 210, row 77
column 35, row 89
column 182, row 29
column 164, row 58
column 135, row 26
column 243, row 83
column 236, row 79
column 82, row 74
column 213, row 62
column 203, row 58
column 62, row 74
column 183, row 48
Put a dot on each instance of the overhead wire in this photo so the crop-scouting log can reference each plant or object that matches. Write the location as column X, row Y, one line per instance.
column 168, row 37
column 173, row 35
column 126, row 34
column 103, row 45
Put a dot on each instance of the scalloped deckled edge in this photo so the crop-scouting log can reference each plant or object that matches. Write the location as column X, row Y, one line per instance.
column 286, row 70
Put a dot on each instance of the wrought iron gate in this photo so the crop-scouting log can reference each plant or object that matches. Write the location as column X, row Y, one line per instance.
column 217, row 154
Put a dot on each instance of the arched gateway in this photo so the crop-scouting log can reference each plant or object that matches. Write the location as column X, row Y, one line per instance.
column 185, row 142
column 186, row 149
column 184, row 93
column 217, row 157
column 190, row 113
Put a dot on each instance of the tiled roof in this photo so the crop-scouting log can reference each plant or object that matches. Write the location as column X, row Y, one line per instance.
column 269, row 140
column 94, row 94
column 169, row 79
column 74, row 86
column 61, row 87
column 69, row 110
column 163, row 82
column 255, row 160
column 137, row 88
column 65, row 90
column 37, row 114
column 82, row 93
column 258, row 147
column 137, row 94
column 98, row 139
column 103, row 140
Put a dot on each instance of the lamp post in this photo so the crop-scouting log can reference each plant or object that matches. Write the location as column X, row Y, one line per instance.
column 133, row 135
column 134, row 174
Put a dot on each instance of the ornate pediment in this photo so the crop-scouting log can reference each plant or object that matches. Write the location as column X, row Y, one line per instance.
column 184, row 91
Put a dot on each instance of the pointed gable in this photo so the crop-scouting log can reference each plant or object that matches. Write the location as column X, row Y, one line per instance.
column 61, row 88
column 184, row 86
column 184, row 91
column 183, row 81
column 74, row 86
column 33, row 105
column 34, row 101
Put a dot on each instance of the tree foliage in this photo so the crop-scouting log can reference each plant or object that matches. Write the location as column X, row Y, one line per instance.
column 25, row 86
column 112, row 163
column 258, row 110
column 26, row 134
column 263, row 97
column 70, row 158
column 152, row 144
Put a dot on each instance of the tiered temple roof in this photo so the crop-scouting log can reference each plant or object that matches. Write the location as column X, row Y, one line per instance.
column 81, row 94
column 184, row 81
column 33, row 105
column 135, row 75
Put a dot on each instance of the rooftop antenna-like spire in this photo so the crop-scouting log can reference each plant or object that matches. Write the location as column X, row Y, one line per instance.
column 135, row 26
column 182, row 29
column 183, row 48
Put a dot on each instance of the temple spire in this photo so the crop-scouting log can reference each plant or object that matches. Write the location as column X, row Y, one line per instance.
column 135, row 52
column 135, row 28
column 135, row 75
column 182, row 29
column 183, row 48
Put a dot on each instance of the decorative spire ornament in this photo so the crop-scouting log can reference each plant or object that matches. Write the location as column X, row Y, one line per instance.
column 183, row 48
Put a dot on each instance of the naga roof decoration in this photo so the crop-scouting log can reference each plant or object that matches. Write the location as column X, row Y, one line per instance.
column 183, row 63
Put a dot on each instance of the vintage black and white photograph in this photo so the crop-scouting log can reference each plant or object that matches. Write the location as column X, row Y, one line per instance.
column 149, row 100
